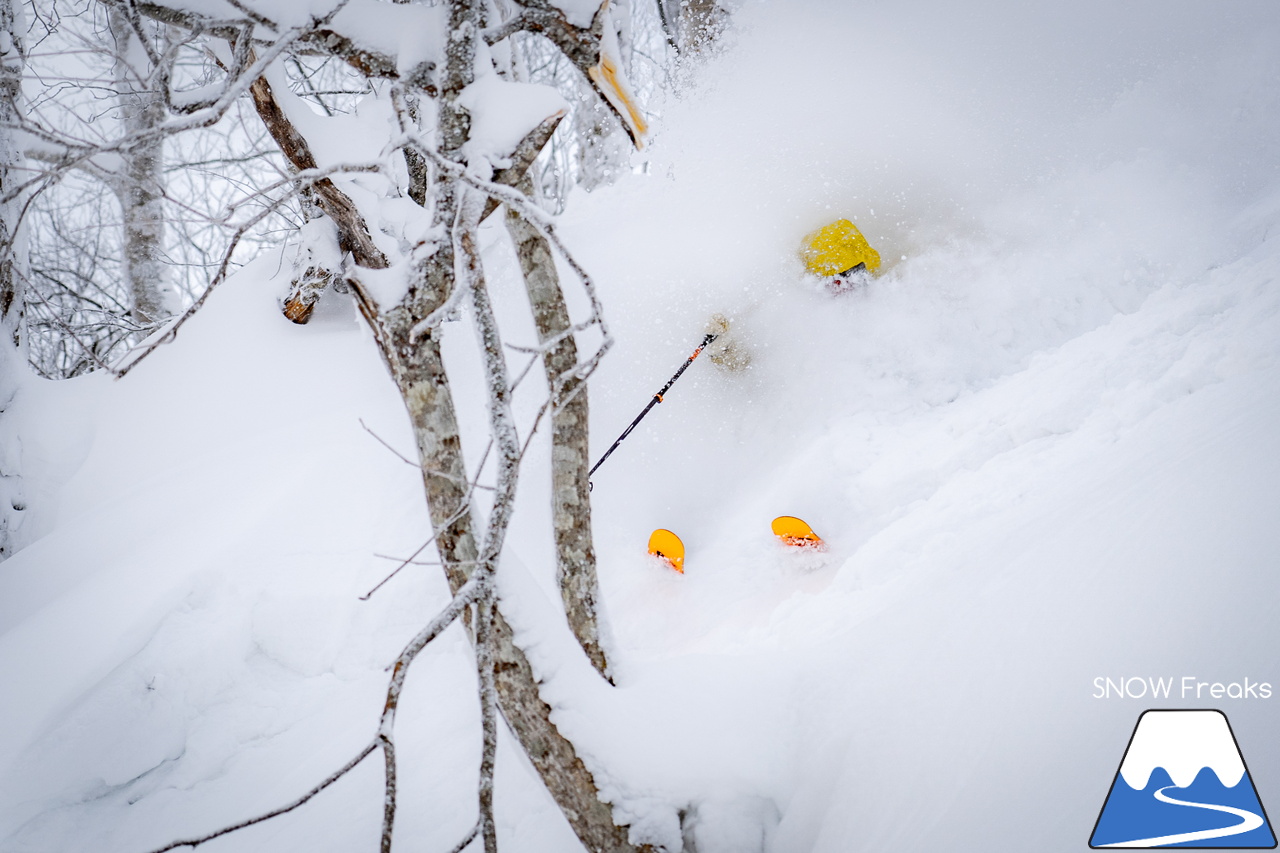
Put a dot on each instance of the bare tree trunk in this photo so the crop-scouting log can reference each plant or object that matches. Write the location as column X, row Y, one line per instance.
column 417, row 368
column 416, row 365
column 12, row 304
column 419, row 373
column 570, row 451
column 11, row 60
column 140, row 187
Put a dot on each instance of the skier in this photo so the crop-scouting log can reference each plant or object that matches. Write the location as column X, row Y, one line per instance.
column 839, row 253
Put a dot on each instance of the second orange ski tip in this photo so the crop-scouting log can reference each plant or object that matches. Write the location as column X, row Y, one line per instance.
column 666, row 545
column 796, row 533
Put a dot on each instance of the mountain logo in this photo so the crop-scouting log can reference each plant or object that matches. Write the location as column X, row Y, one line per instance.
column 1182, row 783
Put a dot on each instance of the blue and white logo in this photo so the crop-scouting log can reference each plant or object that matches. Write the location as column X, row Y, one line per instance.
column 1183, row 783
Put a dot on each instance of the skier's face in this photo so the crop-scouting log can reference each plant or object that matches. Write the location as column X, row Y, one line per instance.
column 849, row 280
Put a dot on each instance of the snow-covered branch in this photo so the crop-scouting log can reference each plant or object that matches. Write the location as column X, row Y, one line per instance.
column 479, row 586
column 463, row 141
column 298, row 181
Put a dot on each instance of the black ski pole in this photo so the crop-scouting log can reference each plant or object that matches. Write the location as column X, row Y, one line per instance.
column 657, row 398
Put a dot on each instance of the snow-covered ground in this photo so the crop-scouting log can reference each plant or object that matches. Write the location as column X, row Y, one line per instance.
column 1042, row 446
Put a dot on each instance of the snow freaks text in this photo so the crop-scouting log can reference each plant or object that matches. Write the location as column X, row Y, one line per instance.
column 1186, row 687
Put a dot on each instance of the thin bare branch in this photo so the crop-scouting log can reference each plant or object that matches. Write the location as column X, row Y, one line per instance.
column 467, row 839
column 488, row 721
column 334, row 777
column 477, row 587
column 316, row 40
column 464, row 509
column 67, row 330
column 406, row 460
column 389, row 789
column 470, row 592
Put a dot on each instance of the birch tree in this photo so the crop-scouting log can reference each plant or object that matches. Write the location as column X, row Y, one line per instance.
column 119, row 234
column 12, row 301
column 139, row 184
column 462, row 144
column 462, row 126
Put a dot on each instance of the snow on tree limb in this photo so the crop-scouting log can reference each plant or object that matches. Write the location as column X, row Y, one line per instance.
column 353, row 232
column 488, row 131
column 593, row 50
column 170, row 331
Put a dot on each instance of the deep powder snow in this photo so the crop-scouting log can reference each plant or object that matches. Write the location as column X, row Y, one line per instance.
column 1041, row 446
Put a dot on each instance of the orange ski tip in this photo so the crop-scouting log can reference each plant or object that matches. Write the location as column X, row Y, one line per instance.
column 794, row 532
column 666, row 545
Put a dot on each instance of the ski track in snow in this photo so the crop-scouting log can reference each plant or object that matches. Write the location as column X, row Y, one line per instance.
column 1248, row 822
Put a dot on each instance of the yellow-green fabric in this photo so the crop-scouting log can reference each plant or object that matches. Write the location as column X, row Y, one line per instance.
column 837, row 248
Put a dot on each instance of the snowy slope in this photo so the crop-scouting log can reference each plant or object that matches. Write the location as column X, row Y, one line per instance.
column 1042, row 447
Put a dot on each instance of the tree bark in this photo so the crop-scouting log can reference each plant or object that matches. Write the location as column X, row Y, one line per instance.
column 13, row 357
column 419, row 374
column 12, row 304
column 353, row 233
column 417, row 368
column 140, row 186
column 570, row 451
column 304, row 293
column 414, row 162
column 424, row 386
